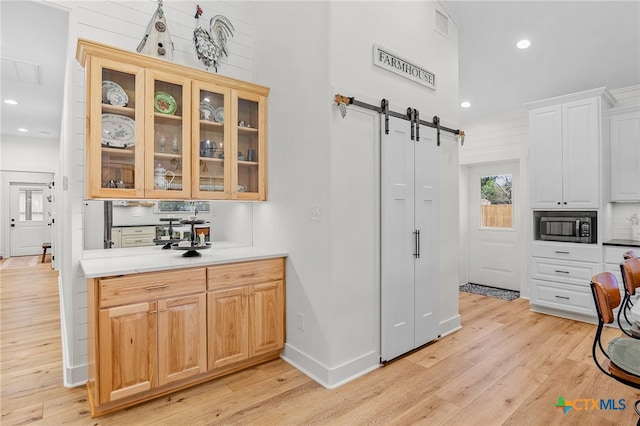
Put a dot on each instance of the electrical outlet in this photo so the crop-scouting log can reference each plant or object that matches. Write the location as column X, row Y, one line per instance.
column 300, row 319
column 315, row 213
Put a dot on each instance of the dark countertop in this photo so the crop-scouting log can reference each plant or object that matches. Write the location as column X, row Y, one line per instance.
column 624, row 243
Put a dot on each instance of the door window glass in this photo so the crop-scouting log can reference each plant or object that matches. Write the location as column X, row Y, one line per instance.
column 31, row 204
column 496, row 201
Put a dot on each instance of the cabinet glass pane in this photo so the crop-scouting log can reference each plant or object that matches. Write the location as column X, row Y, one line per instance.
column 118, row 129
column 212, row 143
column 167, row 136
column 248, row 152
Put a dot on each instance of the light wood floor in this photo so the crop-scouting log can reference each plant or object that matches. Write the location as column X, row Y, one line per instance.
column 506, row 365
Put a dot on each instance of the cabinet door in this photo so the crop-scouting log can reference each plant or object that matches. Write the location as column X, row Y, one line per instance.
column 115, row 129
column 167, row 136
column 266, row 318
column 545, row 145
column 211, row 147
column 581, row 154
column 227, row 325
column 625, row 156
column 182, row 330
column 128, row 350
column 249, row 155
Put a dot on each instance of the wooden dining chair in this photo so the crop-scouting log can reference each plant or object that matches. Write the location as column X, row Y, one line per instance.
column 630, row 270
column 622, row 357
column 629, row 255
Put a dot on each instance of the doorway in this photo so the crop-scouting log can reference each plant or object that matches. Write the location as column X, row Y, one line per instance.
column 30, row 213
column 494, row 225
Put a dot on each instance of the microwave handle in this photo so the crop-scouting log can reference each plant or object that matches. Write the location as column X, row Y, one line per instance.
column 577, row 228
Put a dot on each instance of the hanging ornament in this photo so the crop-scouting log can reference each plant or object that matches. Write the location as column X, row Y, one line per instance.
column 157, row 41
column 461, row 137
column 342, row 102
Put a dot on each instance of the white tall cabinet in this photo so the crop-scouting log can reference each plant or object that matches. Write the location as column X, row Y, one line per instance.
column 409, row 217
column 566, row 140
column 564, row 148
column 624, row 166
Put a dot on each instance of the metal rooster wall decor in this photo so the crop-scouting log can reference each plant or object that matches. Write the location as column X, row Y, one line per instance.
column 157, row 41
column 211, row 45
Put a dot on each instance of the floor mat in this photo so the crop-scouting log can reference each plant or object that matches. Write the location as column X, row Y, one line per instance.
column 485, row 290
column 20, row 262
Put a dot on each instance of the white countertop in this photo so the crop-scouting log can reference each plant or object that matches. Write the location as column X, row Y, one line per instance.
column 102, row 263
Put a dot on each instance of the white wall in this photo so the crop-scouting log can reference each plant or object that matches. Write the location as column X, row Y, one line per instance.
column 121, row 24
column 318, row 160
column 23, row 159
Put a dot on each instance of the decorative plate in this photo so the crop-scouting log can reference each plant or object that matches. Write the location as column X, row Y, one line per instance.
column 108, row 85
column 117, row 96
column 207, row 111
column 164, row 103
column 118, row 131
column 219, row 115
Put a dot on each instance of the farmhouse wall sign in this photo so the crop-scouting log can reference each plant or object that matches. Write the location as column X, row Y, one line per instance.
column 388, row 60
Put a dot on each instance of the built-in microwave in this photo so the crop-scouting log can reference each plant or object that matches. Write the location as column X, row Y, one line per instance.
column 574, row 229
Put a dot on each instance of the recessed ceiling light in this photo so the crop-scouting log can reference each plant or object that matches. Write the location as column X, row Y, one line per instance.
column 22, row 129
column 523, row 44
column 465, row 104
column 11, row 102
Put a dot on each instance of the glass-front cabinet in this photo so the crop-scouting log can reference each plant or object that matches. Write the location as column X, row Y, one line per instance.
column 160, row 130
column 249, row 174
column 167, row 133
column 115, row 115
column 212, row 142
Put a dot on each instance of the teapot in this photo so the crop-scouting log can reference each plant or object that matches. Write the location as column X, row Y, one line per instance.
column 160, row 178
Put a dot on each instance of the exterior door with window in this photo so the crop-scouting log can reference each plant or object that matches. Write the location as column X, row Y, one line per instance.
column 494, row 257
column 29, row 219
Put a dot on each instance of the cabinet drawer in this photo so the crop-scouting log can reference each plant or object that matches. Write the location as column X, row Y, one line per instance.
column 558, row 296
column 257, row 271
column 139, row 230
column 115, row 291
column 567, row 251
column 127, row 241
column 613, row 254
column 564, row 271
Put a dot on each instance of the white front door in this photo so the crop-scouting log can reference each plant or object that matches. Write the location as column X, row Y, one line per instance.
column 494, row 228
column 29, row 218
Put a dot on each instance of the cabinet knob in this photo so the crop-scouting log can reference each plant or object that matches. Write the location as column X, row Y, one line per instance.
column 558, row 202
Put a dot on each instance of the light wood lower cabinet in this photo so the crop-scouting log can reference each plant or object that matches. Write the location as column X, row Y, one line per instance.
column 245, row 322
column 151, row 334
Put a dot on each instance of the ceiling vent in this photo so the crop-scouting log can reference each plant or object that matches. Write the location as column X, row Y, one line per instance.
column 442, row 23
column 20, row 71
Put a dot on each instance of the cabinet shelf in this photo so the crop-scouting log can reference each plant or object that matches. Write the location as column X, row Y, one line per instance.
column 167, row 117
column 121, row 110
column 247, row 129
column 248, row 163
column 208, row 123
column 118, row 151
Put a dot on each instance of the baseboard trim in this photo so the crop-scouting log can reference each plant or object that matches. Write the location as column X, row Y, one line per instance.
column 450, row 325
column 563, row 314
column 331, row 377
column 71, row 376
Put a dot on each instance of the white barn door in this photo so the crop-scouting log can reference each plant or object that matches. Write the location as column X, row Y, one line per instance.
column 408, row 225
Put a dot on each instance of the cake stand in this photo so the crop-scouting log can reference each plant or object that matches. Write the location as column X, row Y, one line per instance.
column 191, row 250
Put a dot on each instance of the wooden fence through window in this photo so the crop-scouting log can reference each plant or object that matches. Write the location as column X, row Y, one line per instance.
column 497, row 215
